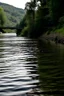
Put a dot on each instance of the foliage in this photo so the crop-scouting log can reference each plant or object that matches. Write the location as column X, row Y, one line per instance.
column 13, row 14
column 24, row 31
column 42, row 16
column 2, row 17
column 61, row 21
column 22, row 24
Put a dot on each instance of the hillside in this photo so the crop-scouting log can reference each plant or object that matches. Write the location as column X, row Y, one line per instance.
column 13, row 14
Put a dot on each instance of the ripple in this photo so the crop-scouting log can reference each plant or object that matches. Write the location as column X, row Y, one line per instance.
column 18, row 65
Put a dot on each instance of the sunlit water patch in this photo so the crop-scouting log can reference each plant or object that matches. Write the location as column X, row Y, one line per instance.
column 18, row 65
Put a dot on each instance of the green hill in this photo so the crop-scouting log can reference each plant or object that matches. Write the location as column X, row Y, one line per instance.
column 13, row 14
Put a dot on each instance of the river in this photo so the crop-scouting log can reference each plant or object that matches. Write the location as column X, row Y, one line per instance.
column 28, row 66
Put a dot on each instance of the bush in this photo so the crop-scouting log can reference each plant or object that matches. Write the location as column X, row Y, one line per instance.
column 24, row 32
column 61, row 20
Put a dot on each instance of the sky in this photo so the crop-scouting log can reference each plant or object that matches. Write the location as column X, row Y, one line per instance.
column 16, row 3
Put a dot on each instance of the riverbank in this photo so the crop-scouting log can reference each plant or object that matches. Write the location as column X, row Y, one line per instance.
column 54, row 36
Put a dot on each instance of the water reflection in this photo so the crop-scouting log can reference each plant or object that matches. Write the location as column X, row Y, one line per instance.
column 51, row 67
column 23, row 63
column 18, row 65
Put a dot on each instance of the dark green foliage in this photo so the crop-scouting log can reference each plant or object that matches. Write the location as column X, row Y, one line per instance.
column 25, row 32
column 61, row 21
column 2, row 17
column 30, row 19
column 14, row 15
column 42, row 17
column 40, row 21
column 56, row 10
column 22, row 24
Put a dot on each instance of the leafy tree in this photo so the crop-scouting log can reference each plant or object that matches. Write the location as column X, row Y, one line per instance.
column 30, row 17
column 56, row 10
column 21, row 25
column 41, row 16
column 2, row 17
column 14, row 15
column 41, row 20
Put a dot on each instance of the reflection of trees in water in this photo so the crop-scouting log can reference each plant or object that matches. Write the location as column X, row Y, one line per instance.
column 51, row 67
column 31, row 52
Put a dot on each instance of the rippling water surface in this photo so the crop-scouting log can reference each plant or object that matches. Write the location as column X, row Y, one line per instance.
column 30, row 66
column 18, row 65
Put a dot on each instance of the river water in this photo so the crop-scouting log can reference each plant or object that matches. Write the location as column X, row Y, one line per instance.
column 18, row 65
column 29, row 66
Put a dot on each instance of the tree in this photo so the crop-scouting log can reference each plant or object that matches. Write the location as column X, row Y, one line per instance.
column 2, row 17
column 22, row 24
column 42, row 16
column 30, row 17
column 41, row 20
column 56, row 8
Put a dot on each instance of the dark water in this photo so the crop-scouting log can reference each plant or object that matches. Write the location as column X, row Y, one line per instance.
column 29, row 66
column 51, row 68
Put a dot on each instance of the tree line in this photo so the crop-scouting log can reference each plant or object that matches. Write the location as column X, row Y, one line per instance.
column 41, row 16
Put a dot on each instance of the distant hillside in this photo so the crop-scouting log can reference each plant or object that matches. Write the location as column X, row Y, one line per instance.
column 14, row 15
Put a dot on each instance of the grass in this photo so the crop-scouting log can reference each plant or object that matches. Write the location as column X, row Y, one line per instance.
column 60, row 30
column 56, row 31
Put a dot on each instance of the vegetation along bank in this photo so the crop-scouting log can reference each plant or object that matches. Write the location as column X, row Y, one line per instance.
column 10, row 16
column 43, row 17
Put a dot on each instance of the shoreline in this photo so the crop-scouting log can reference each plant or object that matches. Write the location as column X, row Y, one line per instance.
column 56, row 37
